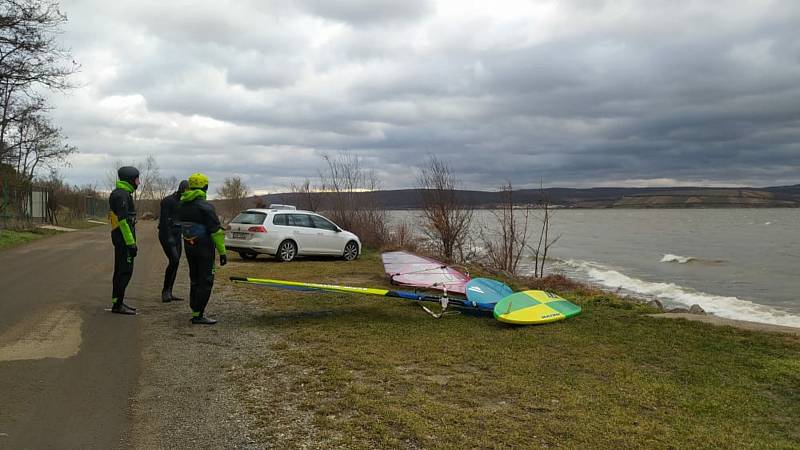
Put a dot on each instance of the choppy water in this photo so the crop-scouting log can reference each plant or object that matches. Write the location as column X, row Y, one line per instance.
column 735, row 263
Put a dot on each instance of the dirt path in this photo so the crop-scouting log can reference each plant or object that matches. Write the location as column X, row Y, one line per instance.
column 75, row 376
column 67, row 367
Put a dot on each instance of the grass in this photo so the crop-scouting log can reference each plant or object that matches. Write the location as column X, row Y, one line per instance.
column 363, row 372
column 13, row 238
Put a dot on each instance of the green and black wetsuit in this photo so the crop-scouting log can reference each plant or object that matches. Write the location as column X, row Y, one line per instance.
column 122, row 215
column 202, row 232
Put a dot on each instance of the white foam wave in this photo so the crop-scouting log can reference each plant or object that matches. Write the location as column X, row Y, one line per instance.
column 728, row 307
column 670, row 258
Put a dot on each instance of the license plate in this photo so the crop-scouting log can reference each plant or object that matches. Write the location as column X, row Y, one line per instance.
column 239, row 235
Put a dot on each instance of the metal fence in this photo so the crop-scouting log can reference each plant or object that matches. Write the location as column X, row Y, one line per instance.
column 95, row 207
column 24, row 203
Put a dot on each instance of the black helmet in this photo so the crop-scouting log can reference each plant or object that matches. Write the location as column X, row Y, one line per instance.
column 183, row 186
column 128, row 174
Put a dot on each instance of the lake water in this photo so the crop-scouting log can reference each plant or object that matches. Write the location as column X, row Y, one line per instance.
column 735, row 263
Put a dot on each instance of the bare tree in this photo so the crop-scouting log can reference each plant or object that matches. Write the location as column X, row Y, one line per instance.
column 506, row 244
column 39, row 144
column 234, row 192
column 352, row 206
column 110, row 181
column 447, row 218
column 545, row 241
column 152, row 185
column 150, row 181
column 308, row 195
column 164, row 186
column 261, row 202
column 402, row 236
column 30, row 59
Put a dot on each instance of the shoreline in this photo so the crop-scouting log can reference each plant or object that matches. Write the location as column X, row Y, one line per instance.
column 561, row 282
column 722, row 321
column 690, row 298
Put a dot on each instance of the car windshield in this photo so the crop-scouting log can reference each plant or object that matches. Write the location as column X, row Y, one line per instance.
column 250, row 218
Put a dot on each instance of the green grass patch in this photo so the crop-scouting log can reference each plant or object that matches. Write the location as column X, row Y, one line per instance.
column 370, row 372
column 13, row 238
column 10, row 238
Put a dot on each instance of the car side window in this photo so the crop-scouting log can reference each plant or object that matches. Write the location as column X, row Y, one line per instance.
column 323, row 223
column 300, row 220
column 279, row 219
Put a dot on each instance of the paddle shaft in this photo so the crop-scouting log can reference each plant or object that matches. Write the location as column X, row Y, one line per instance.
column 297, row 285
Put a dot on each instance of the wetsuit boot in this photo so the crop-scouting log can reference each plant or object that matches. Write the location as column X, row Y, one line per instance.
column 122, row 308
column 203, row 321
column 167, row 297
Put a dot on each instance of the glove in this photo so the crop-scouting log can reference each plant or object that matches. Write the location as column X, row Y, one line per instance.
column 133, row 250
column 223, row 259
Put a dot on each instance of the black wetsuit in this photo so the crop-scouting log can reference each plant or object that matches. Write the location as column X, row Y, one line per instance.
column 169, row 234
column 122, row 208
column 198, row 221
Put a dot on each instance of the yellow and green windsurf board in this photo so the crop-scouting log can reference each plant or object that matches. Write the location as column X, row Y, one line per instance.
column 534, row 307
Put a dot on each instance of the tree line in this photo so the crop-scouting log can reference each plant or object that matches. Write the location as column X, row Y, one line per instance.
column 31, row 63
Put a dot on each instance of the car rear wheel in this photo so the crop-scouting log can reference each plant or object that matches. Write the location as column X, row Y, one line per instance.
column 350, row 251
column 287, row 251
column 248, row 255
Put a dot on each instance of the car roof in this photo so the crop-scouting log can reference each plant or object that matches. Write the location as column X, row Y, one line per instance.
column 281, row 211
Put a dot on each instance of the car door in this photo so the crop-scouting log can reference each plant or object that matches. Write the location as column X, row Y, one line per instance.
column 303, row 233
column 329, row 240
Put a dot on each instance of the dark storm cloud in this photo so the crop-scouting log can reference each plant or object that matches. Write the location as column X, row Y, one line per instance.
column 572, row 92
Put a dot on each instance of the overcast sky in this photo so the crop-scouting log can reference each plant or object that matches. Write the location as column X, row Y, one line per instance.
column 577, row 93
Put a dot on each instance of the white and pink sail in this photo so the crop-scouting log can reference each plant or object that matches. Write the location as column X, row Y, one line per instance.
column 408, row 269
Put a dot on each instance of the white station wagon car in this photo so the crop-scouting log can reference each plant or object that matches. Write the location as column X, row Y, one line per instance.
column 287, row 233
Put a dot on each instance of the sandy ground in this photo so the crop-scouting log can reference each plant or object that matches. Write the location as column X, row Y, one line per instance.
column 55, row 333
column 56, row 228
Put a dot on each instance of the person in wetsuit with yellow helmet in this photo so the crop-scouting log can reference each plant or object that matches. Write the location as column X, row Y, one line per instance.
column 202, row 233
column 122, row 215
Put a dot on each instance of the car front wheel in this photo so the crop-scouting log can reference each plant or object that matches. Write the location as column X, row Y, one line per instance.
column 350, row 251
column 287, row 251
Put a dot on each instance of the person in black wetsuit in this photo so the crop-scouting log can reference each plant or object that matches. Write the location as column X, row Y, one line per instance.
column 169, row 234
column 201, row 232
column 122, row 216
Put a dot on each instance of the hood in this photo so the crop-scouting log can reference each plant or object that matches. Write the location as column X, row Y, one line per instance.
column 192, row 195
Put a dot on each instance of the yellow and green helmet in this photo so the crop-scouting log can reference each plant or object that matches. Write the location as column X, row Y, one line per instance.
column 198, row 181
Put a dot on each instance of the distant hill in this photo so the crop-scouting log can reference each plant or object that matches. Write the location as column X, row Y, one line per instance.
column 679, row 197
